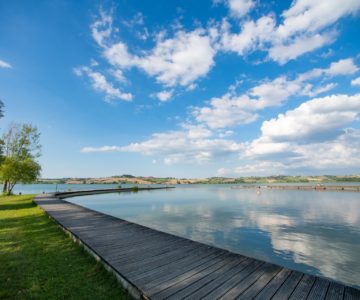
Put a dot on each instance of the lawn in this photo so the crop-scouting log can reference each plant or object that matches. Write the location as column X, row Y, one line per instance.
column 39, row 261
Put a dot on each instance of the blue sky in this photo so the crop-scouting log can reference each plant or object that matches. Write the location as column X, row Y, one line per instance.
column 185, row 88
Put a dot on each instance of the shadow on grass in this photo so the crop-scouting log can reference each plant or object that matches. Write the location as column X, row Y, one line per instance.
column 19, row 205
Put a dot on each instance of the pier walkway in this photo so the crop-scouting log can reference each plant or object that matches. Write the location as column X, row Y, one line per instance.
column 155, row 265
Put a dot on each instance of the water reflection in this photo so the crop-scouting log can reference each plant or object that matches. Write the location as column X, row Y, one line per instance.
column 316, row 232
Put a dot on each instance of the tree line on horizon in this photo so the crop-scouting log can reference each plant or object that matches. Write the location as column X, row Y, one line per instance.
column 19, row 150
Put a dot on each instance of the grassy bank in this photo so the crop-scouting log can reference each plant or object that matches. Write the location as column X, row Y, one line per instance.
column 39, row 261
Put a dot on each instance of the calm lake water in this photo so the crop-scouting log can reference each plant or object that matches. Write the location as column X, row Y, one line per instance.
column 317, row 232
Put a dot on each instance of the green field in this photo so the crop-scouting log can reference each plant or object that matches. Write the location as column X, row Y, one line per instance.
column 39, row 261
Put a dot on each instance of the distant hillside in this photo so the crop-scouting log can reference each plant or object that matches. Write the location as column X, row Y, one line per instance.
column 130, row 179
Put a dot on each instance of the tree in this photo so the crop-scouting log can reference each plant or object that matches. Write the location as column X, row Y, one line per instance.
column 13, row 171
column 21, row 147
column 21, row 141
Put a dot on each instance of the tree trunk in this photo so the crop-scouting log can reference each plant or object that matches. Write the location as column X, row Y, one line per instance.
column 10, row 187
column 5, row 187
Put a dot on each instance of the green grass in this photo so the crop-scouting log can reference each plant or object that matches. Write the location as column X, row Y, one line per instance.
column 39, row 261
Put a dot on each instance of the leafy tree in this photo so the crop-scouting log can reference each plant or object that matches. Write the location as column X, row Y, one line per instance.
column 14, row 170
column 21, row 141
column 21, row 148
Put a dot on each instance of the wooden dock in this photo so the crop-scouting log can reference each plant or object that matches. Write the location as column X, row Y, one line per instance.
column 155, row 265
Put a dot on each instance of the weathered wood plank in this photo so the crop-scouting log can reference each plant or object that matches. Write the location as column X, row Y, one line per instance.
column 153, row 262
column 135, row 270
column 303, row 288
column 207, row 289
column 191, row 280
column 236, row 279
column 273, row 285
column 242, row 286
column 129, row 242
column 120, row 240
column 190, row 289
column 260, row 283
column 186, row 273
column 141, row 251
column 288, row 286
column 351, row 294
column 159, row 275
column 125, row 260
column 319, row 289
column 335, row 291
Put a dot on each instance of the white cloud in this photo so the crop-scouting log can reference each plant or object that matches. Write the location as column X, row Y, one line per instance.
column 239, row 8
column 274, row 92
column 191, row 87
column 138, row 19
column 143, row 35
column 312, row 16
column 231, row 109
column 355, row 81
column 343, row 153
column 345, row 66
column 137, row 26
column 326, row 54
column 187, row 56
column 311, row 137
column 225, row 133
column 93, row 63
column 316, row 119
column 252, row 36
column 4, row 64
column 118, row 55
column 223, row 171
column 191, row 144
column 184, row 57
column 184, row 146
column 226, row 111
column 262, row 158
column 100, row 83
column 262, row 168
column 179, row 60
column 305, row 26
column 118, row 75
column 312, row 92
column 100, row 149
column 264, row 147
column 283, row 52
column 342, row 67
column 196, row 131
column 164, row 96
column 101, row 29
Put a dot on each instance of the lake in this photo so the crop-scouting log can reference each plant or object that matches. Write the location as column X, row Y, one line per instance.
column 317, row 232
